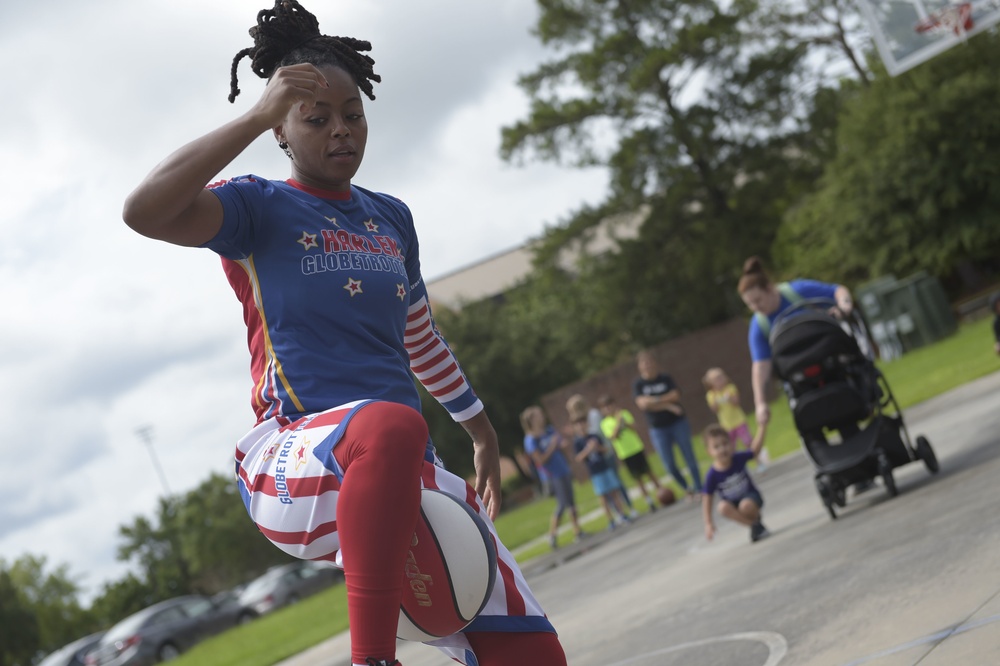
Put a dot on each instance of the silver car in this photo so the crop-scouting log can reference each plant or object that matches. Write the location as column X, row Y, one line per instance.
column 284, row 585
column 74, row 653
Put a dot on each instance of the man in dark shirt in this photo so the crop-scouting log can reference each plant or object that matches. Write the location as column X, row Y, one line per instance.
column 658, row 396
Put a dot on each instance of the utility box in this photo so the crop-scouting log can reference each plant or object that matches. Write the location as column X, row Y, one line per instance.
column 906, row 314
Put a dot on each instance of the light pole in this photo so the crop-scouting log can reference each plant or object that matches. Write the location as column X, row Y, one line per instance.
column 170, row 511
column 145, row 433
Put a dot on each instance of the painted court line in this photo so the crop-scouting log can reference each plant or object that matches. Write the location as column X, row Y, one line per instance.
column 931, row 638
column 776, row 644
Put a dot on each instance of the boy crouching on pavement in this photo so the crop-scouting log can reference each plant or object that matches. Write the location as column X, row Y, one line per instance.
column 739, row 499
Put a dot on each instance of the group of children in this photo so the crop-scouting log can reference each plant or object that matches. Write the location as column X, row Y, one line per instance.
column 590, row 432
column 604, row 438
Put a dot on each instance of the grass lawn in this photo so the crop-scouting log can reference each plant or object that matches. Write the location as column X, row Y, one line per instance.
column 915, row 377
column 277, row 636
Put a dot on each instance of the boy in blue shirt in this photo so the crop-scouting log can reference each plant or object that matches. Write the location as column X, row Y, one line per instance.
column 544, row 445
column 592, row 452
column 739, row 499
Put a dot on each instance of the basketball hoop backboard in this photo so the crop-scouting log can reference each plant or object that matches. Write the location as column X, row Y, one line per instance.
column 909, row 32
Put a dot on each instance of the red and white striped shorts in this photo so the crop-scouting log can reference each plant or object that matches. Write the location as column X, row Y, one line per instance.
column 290, row 481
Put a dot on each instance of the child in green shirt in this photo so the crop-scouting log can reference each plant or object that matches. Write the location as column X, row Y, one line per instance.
column 618, row 425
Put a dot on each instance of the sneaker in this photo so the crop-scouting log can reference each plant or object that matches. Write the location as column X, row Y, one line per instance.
column 553, row 541
column 652, row 506
column 758, row 532
column 633, row 514
column 611, row 526
column 581, row 535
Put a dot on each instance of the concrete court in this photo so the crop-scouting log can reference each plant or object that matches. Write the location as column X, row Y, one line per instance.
column 892, row 582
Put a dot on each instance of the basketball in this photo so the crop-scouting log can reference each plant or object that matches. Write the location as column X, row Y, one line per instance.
column 666, row 496
column 450, row 569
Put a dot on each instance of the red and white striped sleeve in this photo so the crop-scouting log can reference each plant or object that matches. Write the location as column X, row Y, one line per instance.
column 434, row 364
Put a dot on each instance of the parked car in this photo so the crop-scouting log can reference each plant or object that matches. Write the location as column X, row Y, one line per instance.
column 230, row 596
column 73, row 653
column 285, row 584
column 162, row 631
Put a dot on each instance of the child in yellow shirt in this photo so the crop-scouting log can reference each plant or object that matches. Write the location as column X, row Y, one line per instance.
column 724, row 399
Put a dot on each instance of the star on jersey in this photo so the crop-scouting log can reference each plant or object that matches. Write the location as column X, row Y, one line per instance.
column 332, row 220
column 371, row 226
column 300, row 455
column 401, row 292
column 270, row 452
column 353, row 287
column 308, row 240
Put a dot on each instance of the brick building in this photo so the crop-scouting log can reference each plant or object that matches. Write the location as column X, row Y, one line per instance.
column 685, row 359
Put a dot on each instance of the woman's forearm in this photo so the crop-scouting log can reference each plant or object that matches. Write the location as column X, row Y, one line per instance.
column 760, row 373
column 166, row 203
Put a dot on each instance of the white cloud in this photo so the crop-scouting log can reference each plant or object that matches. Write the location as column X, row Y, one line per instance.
column 105, row 331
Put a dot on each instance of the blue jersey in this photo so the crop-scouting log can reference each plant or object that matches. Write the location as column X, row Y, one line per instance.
column 760, row 346
column 333, row 300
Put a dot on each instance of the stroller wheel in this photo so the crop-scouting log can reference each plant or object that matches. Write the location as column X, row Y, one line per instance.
column 827, row 494
column 885, row 470
column 840, row 497
column 926, row 453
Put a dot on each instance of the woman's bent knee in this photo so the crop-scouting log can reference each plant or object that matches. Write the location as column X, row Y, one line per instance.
column 384, row 428
column 394, row 420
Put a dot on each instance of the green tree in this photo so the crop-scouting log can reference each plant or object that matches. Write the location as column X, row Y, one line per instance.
column 832, row 30
column 199, row 543
column 694, row 109
column 119, row 599
column 912, row 184
column 156, row 547
column 52, row 597
column 19, row 633
column 219, row 540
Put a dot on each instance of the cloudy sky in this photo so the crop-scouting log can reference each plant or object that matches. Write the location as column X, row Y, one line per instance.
column 106, row 332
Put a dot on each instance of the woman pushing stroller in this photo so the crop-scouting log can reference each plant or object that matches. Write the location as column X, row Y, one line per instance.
column 768, row 300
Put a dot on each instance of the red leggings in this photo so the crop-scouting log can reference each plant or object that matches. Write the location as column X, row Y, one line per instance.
column 382, row 453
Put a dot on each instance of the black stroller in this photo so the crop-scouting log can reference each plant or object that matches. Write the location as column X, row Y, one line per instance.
column 849, row 422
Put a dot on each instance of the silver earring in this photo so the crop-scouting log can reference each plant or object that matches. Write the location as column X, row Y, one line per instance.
column 284, row 146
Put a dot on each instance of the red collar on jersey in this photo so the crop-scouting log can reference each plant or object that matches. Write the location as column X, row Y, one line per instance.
column 317, row 192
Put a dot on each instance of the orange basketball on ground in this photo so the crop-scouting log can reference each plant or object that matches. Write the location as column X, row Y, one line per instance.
column 666, row 496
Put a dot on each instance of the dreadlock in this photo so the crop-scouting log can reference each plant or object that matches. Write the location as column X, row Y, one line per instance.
column 287, row 34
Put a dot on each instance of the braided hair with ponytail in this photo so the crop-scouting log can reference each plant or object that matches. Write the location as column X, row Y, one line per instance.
column 287, row 34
